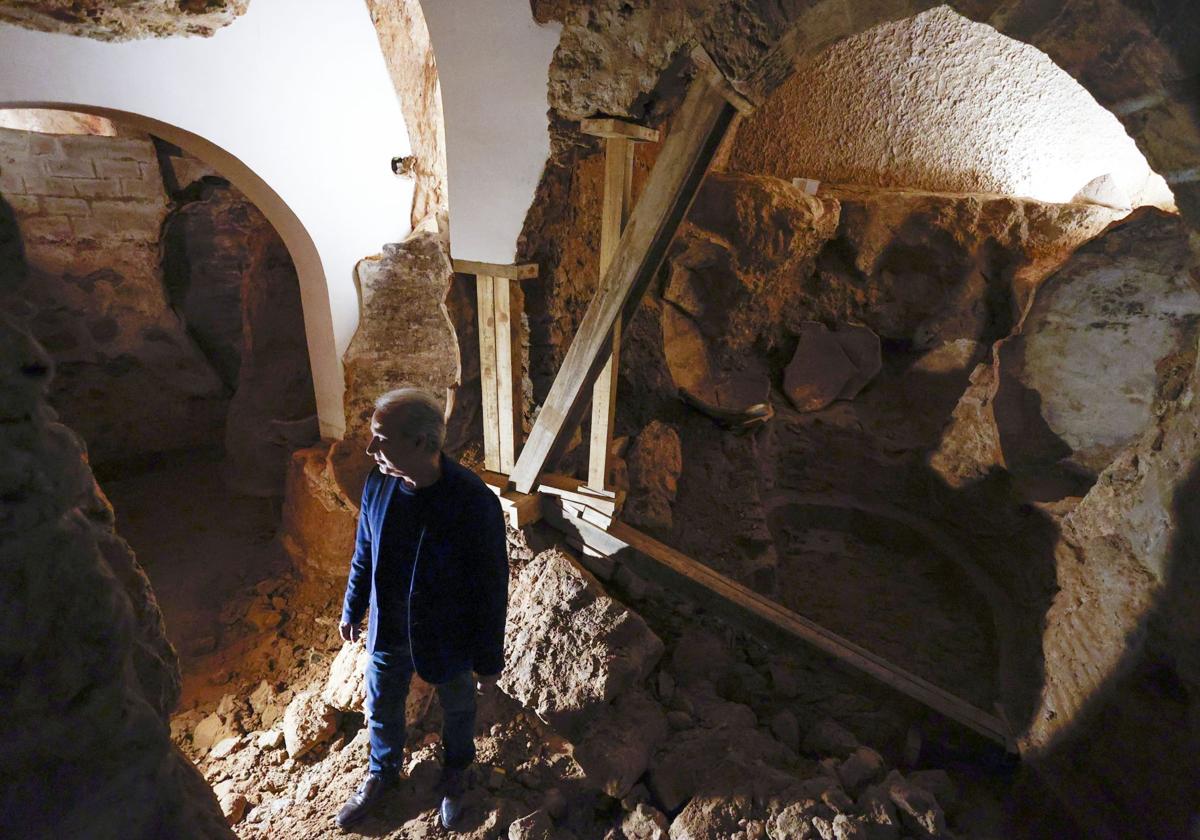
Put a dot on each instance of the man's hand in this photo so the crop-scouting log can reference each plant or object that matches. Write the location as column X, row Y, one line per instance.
column 484, row 685
column 349, row 632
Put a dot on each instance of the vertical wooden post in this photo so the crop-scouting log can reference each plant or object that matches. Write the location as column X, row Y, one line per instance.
column 485, row 297
column 619, row 137
column 500, row 379
column 508, row 378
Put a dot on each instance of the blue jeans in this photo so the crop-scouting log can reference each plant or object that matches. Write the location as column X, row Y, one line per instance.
column 388, row 677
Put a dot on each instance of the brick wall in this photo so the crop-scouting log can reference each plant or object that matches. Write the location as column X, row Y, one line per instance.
column 89, row 211
column 82, row 186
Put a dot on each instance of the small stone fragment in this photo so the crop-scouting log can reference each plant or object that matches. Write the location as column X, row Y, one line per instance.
column 786, row 729
column 534, row 826
column 877, row 809
column 939, row 783
column 850, row 828
column 919, row 810
column 271, row 739
column 644, row 822
column 862, row 766
column 830, row 738
column 837, row 799
column 225, row 746
column 233, row 804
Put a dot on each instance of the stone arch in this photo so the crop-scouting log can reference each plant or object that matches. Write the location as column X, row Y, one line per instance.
column 314, row 293
column 1136, row 61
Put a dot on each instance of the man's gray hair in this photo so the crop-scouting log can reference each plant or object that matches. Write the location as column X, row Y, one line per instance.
column 414, row 412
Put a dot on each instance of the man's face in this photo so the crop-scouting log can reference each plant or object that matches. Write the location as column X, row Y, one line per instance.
column 394, row 453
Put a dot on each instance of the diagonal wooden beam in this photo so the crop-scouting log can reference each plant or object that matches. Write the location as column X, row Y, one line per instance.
column 697, row 130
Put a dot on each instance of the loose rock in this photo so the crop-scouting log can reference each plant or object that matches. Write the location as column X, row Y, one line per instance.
column 308, row 722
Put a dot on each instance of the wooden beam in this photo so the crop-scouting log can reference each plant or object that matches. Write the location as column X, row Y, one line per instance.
column 697, row 130
column 618, row 199
column 663, row 564
column 619, row 129
column 508, row 378
column 485, row 302
column 512, row 271
column 520, row 509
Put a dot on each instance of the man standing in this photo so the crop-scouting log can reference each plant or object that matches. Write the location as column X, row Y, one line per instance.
column 431, row 565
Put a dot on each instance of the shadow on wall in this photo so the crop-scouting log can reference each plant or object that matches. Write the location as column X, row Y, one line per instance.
column 1141, row 729
column 13, row 270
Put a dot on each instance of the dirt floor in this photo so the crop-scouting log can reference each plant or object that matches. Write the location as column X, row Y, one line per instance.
column 202, row 546
column 256, row 639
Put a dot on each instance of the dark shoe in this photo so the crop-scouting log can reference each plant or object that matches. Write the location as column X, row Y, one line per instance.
column 362, row 800
column 453, row 787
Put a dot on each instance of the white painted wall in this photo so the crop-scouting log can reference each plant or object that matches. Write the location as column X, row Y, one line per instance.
column 293, row 103
column 492, row 59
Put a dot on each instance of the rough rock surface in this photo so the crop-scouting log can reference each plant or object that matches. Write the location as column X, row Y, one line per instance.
column 229, row 274
column 404, row 339
column 346, row 688
column 838, row 117
column 619, row 742
column 89, row 209
column 830, row 365
column 124, row 20
column 570, row 648
column 404, row 38
column 654, row 463
column 91, row 677
column 1105, row 335
column 318, row 522
column 308, row 722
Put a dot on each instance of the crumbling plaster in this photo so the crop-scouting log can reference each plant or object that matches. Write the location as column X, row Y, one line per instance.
column 938, row 102
column 308, row 136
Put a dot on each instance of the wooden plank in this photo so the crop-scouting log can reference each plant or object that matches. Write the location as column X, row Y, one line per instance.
column 656, row 561
column 508, row 378
column 510, row 271
column 696, row 131
column 496, row 480
column 600, row 494
column 485, row 301
column 521, row 509
column 618, row 198
column 619, row 129
column 586, row 513
column 588, row 534
column 568, row 488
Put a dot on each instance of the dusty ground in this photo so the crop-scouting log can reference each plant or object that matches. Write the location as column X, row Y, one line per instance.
column 202, row 546
column 255, row 635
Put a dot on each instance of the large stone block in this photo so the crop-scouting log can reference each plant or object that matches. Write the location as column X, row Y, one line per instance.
column 570, row 649
column 1106, row 336
column 404, row 339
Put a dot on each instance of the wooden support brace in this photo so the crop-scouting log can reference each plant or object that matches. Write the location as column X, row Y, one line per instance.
column 500, row 380
column 520, row 509
column 618, row 199
column 698, row 128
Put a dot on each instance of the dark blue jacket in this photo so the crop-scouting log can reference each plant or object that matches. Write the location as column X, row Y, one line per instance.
column 458, row 594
